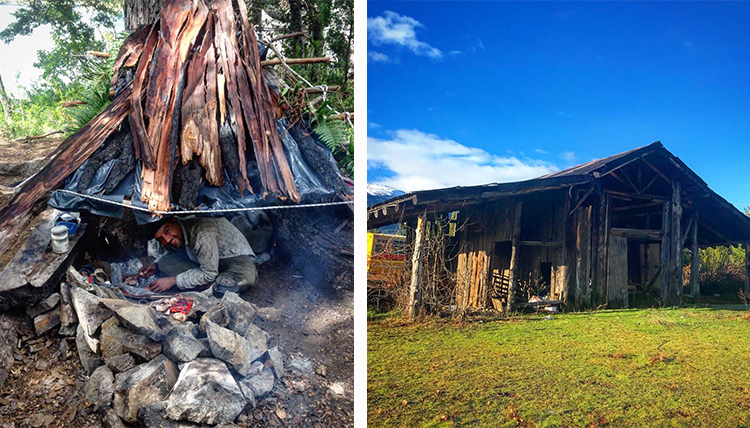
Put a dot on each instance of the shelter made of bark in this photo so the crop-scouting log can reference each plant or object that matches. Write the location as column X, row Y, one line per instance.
column 588, row 236
column 194, row 125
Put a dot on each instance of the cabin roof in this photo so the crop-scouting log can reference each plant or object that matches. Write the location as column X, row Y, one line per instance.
column 721, row 222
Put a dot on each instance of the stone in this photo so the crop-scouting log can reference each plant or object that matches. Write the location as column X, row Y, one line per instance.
column 153, row 415
column 181, row 345
column 111, row 338
column 46, row 322
column 68, row 318
column 257, row 340
column 231, row 348
column 120, row 363
column 45, row 305
column 141, row 346
column 90, row 314
column 217, row 314
column 240, row 312
column 141, row 385
column 89, row 360
column 255, row 368
column 110, row 419
column 206, row 352
column 205, row 393
column 261, row 383
column 138, row 318
column 65, row 347
column 274, row 355
column 249, row 395
column 99, row 387
column 67, row 330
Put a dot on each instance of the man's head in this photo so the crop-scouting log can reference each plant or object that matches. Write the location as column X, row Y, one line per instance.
column 170, row 234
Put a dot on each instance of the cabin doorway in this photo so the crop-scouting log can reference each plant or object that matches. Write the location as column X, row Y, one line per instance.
column 634, row 266
column 500, row 273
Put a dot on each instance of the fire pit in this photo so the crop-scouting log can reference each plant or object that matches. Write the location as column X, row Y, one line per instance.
column 205, row 366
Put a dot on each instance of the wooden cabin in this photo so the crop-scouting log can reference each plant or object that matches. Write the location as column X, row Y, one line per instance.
column 590, row 236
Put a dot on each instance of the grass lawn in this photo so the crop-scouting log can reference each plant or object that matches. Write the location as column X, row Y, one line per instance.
column 635, row 368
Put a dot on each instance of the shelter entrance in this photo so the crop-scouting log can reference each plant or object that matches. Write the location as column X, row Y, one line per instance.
column 634, row 267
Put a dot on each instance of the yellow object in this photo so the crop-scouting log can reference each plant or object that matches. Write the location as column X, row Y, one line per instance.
column 385, row 255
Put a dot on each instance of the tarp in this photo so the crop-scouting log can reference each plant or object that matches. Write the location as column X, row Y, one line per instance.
column 309, row 185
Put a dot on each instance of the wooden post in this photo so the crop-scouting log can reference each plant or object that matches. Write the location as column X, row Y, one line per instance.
column 676, row 268
column 665, row 252
column 415, row 289
column 747, row 268
column 695, row 286
column 512, row 275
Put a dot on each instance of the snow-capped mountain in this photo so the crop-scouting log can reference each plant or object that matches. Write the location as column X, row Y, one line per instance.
column 377, row 193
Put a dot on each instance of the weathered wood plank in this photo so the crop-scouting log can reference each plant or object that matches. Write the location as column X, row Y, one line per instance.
column 583, row 259
column 617, row 269
column 513, row 277
column 642, row 234
column 181, row 21
column 415, row 286
column 200, row 132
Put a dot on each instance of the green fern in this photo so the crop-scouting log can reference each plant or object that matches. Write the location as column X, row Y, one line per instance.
column 96, row 76
column 332, row 132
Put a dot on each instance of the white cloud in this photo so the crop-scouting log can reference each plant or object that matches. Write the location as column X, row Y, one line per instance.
column 454, row 53
column 394, row 29
column 480, row 44
column 540, row 151
column 378, row 57
column 419, row 161
column 373, row 125
column 568, row 156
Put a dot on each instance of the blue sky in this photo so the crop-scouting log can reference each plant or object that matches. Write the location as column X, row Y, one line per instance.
column 464, row 93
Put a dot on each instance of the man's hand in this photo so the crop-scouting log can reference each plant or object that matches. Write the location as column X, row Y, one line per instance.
column 163, row 284
column 147, row 271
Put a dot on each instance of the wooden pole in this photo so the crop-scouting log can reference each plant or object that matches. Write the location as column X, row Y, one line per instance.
column 512, row 275
column 695, row 264
column 677, row 272
column 415, row 289
column 293, row 61
column 665, row 252
column 747, row 268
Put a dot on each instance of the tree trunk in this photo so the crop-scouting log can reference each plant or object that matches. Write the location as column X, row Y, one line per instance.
column 140, row 12
column 4, row 100
column 295, row 25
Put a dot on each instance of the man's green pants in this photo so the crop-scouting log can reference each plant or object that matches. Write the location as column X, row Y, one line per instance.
column 241, row 269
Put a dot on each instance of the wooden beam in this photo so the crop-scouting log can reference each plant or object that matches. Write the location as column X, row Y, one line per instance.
column 653, row 180
column 656, row 170
column 695, row 286
column 415, row 288
column 635, row 195
column 717, row 233
column 295, row 61
column 686, row 233
column 288, row 36
column 513, row 271
column 646, row 234
column 635, row 207
column 626, row 181
column 540, row 244
column 580, row 201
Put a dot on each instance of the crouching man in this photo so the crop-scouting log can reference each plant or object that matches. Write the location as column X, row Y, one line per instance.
column 201, row 251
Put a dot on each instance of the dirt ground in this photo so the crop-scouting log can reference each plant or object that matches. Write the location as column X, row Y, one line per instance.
column 314, row 329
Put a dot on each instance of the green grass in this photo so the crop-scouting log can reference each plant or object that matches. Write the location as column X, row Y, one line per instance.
column 631, row 368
